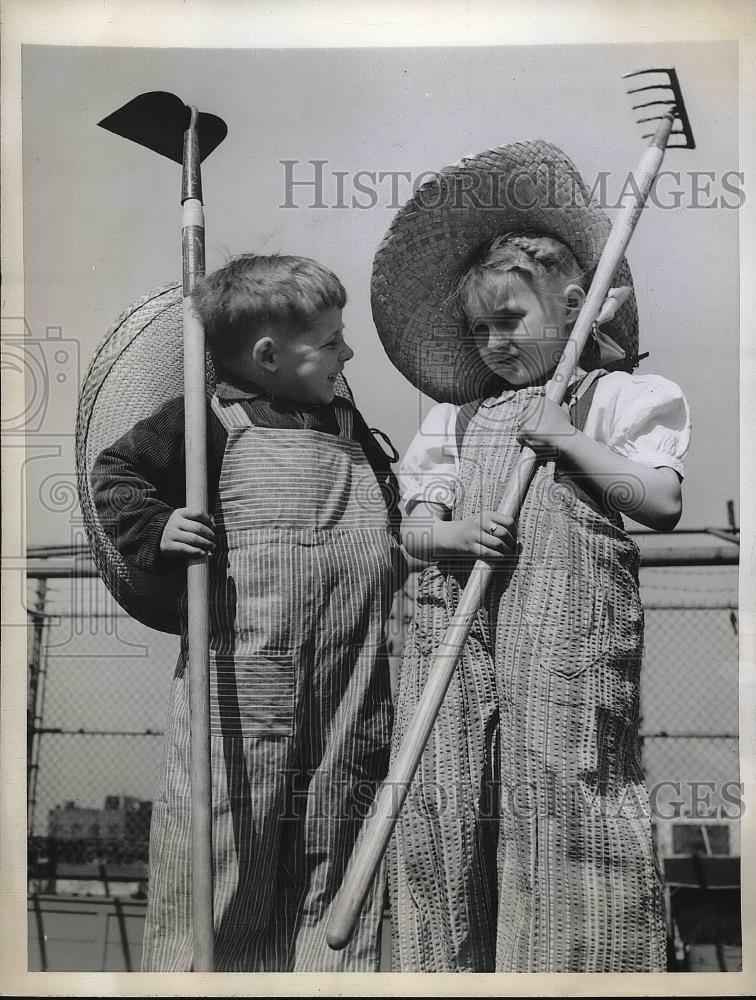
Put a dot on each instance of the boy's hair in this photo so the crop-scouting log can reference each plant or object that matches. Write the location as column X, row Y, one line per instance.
column 539, row 259
column 253, row 292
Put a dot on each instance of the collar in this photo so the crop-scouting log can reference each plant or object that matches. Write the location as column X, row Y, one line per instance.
column 229, row 385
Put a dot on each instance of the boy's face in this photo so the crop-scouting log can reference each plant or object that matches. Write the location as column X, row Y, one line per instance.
column 300, row 367
column 523, row 339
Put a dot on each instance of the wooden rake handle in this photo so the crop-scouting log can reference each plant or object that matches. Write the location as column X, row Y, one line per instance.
column 394, row 790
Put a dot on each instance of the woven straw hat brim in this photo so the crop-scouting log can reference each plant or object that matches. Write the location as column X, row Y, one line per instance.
column 434, row 238
column 137, row 368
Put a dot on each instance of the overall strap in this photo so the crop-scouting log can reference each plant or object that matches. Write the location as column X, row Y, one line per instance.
column 580, row 400
column 465, row 415
column 580, row 405
column 231, row 413
column 344, row 412
column 582, row 397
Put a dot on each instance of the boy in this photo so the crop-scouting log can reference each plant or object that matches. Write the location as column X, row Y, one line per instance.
column 301, row 549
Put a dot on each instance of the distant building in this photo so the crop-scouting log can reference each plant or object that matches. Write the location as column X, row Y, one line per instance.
column 124, row 818
column 684, row 836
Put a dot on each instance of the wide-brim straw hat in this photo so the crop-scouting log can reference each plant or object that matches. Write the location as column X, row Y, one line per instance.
column 137, row 368
column 527, row 186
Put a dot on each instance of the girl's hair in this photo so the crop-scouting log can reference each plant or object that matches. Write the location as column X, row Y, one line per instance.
column 539, row 259
column 546, row 263
column 253, row 292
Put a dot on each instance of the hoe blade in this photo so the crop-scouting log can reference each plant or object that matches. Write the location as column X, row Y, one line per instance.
column 158, row 121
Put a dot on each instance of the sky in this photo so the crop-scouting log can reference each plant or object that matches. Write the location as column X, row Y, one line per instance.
column 102, row 215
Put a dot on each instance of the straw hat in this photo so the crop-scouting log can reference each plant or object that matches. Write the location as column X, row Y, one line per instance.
column 138, row 366
column 436, row 236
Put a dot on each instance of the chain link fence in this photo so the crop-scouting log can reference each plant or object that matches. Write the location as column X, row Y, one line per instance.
column 689, row 692
column 98, row 692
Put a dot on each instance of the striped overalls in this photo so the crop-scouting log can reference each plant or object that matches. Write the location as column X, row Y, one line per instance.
column 300, row 706
column 525, row 844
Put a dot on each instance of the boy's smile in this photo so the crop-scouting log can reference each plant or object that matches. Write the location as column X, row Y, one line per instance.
column 523, row 339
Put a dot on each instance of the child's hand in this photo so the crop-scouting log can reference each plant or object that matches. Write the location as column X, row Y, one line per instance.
column 543, row 425
column 188, row 533
column 489, row 536
column 429, row 535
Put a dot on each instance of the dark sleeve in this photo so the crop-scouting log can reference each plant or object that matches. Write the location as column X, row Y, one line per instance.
column 140, row 480
column 380, row 463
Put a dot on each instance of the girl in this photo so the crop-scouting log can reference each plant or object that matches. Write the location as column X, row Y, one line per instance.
column 525, row 843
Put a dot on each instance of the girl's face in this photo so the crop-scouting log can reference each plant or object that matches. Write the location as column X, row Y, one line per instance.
column 522, row 340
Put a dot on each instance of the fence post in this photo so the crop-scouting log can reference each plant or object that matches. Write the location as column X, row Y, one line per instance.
column 35, row 671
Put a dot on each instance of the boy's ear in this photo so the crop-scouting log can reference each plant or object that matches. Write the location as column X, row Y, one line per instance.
column 264, row 354
column 574, row 297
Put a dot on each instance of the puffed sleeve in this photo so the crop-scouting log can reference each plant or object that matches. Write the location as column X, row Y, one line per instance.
column 643, row 417
column 428, row 471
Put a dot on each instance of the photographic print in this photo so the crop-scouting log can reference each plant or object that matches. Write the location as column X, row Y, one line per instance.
column 380, row 502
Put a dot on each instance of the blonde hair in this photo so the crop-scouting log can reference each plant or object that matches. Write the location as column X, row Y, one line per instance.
column 541, row 260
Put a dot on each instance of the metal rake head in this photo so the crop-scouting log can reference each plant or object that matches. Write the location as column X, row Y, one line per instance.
column 673, row 104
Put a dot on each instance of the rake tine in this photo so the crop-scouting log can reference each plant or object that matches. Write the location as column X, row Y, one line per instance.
column 676, row 104
column 670, row 145
column 641, row 72
column 651, row 86
column 649, row 104
column 658, row 118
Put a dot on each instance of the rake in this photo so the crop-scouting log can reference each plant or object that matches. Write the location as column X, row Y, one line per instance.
column 394, row 790
column 164, row 124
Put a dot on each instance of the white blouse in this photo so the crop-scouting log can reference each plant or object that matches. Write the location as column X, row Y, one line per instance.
column 644, row 418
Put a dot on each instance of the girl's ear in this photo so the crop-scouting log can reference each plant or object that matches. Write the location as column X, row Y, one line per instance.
column 264, row 354
column 574, row 297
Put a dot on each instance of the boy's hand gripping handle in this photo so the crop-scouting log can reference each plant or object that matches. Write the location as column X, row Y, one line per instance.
column 393, row 792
